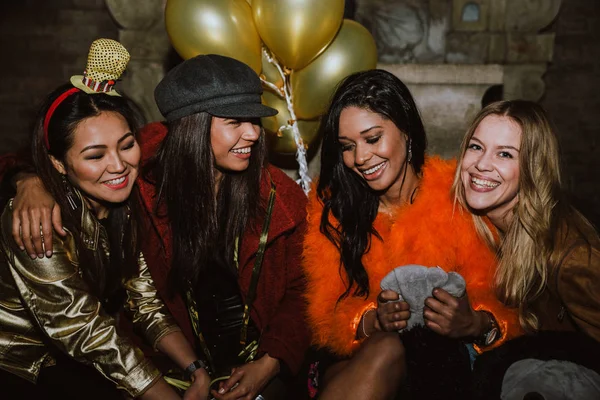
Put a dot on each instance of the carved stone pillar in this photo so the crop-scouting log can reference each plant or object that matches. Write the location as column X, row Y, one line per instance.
column 506, row 32
column 448, row 97
column 142, row 32
column 451, row 52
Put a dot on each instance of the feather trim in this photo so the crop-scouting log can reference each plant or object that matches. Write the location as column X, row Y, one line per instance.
column 430, row 232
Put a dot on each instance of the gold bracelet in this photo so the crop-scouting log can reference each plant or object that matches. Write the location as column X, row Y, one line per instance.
column 363, row 321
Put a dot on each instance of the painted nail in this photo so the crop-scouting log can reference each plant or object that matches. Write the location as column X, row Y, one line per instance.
column 48, row 253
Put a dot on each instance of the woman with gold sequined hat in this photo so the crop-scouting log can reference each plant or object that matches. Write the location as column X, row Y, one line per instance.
column 59, row 336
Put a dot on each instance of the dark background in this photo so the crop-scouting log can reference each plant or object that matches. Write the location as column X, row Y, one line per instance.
column 44, row 42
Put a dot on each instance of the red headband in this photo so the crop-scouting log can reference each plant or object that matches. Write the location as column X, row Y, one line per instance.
column 51, row 110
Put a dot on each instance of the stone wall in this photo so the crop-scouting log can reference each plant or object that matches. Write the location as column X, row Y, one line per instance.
column 573, row 100
column 451, row 52
column 42, row 44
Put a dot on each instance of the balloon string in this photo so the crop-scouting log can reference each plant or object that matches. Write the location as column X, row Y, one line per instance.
column 274, row 88
column 304, row 180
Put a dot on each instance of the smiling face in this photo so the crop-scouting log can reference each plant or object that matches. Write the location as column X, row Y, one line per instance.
column 490, row 168
column 232, row 141
column 103, row 160
column 374, row 148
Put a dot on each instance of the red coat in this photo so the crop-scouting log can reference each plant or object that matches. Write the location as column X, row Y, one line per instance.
column 279, row 308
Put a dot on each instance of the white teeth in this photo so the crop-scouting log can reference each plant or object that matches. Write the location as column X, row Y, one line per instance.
column 375, row 168
column 245, row 150
column 484, row 183
column 117, row 181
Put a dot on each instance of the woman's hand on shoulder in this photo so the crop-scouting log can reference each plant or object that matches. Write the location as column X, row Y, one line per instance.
column 392, row 315
column 247, row 381
column 34, row 207
column 452, row 316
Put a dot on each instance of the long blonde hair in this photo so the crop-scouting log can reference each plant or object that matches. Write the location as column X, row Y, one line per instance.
column 529, row 248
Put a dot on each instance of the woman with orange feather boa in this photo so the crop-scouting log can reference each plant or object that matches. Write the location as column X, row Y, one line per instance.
column 382, row 203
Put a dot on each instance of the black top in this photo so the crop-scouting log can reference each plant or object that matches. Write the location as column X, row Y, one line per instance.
column 220, row 311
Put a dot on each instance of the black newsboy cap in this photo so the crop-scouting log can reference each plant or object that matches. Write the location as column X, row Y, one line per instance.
column 219, row 85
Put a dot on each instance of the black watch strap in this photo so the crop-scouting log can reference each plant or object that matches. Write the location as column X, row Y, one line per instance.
column 189, row 370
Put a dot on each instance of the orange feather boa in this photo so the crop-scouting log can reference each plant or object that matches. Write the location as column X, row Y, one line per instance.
column 429, row 232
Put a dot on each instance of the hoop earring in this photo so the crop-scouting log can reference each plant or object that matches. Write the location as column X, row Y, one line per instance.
column 409, row 156
column 70, row 194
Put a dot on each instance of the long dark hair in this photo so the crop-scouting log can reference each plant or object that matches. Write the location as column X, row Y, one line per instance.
column 103, row 280
column 204, row 225
column 345, row 195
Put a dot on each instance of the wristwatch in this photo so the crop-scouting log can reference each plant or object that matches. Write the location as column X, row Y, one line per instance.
column 491, row 335
column 189, row 370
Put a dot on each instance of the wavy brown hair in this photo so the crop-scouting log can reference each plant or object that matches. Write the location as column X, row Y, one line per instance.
column 532, row 245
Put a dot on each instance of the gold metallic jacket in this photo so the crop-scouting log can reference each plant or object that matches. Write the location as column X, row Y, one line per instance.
column 46, row 307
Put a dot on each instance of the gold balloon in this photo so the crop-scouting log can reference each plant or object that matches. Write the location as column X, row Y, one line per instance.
column 352, row 50
column 282, row 142
column 222, row 27
column 273, row 123
column 297, row 30
column 270, row 73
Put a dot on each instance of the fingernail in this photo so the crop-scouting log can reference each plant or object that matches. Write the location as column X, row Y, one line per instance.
column 41, row 255
column 22, row 247
column 33, row 256
column 221, row 391
column 48, row 253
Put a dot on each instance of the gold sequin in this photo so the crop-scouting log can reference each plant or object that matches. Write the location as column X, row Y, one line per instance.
column 107, row 60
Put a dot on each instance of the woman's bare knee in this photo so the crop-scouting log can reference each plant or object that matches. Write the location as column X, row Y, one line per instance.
column 383, row 350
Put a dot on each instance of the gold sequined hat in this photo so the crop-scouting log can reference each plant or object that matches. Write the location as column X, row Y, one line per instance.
column 106, row 63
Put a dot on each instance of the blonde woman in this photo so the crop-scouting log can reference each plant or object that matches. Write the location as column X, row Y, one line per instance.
column 548, row 253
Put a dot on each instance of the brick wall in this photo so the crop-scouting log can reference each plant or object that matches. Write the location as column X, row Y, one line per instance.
column 43, row 43
column 573, row 100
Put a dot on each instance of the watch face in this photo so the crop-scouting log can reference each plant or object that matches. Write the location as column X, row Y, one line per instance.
column 491, row 336
column 195, row 365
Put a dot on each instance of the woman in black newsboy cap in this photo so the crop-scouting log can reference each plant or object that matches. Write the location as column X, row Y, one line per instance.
column 224, row 229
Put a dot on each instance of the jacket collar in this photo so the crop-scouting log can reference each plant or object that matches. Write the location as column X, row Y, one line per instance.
column 92, row 231
column 90, row 227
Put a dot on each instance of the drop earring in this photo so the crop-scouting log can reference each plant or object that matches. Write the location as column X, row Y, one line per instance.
column 69, row 192
column 409, row 156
